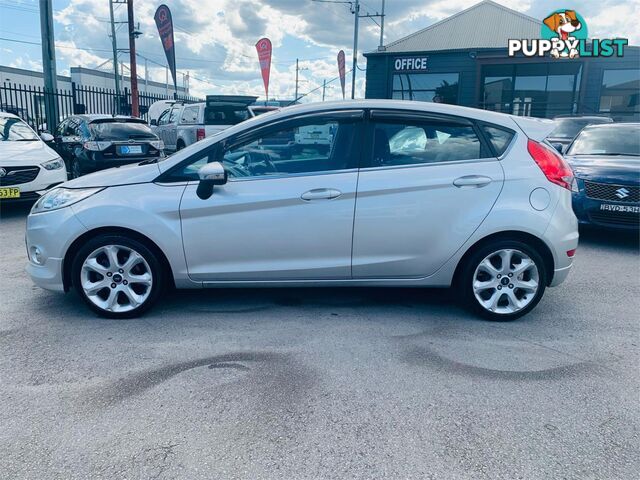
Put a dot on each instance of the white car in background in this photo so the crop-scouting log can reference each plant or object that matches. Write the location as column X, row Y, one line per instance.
column 27, row 164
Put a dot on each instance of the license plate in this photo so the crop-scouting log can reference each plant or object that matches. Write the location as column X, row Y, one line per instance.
column 9, row 192
column 131, row 150
column 620, row 208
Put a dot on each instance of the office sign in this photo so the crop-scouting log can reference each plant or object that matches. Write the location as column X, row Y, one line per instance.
column 410, row 64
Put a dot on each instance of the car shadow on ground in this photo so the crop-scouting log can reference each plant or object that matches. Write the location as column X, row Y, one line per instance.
column 15, row 210
column 610, row 239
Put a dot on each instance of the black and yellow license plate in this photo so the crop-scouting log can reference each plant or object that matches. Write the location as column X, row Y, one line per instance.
column 9, row 192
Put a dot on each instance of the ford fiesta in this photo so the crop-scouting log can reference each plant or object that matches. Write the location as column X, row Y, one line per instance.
column 407, row 194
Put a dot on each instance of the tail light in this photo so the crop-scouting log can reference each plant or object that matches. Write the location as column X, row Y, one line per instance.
column 200, row 134
column 551, row 163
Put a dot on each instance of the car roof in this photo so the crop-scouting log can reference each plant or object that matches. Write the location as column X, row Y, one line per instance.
column 408, row 105
column 613, row 125
column 95, row 116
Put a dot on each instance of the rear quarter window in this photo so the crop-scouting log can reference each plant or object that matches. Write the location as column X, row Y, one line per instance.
column 500, row 138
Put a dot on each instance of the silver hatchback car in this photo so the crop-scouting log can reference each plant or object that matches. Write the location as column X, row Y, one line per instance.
column 378, row 193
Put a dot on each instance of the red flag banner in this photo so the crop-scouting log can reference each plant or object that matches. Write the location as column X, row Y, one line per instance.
column 264, row 56
column 341, row 70
column 165, row 30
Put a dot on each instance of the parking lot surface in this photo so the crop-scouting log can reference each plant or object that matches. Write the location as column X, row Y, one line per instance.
column 325, row 383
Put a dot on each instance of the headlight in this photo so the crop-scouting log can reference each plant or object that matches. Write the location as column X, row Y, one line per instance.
column 55, row 164
column 62, row 197
column 157, row 144
column 96, row 146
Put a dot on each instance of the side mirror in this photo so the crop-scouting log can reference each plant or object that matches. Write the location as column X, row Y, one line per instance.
column 210, row 175
column 154, row 122
column 559, row 147
column 46, row 137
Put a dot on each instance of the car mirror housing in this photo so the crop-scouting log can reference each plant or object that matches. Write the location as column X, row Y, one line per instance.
column 46, row 137
column 210, row 175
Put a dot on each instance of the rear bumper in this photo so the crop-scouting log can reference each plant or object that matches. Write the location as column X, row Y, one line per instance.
column 94, row 163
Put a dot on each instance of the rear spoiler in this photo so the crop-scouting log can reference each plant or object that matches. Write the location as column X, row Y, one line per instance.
column 535, row 128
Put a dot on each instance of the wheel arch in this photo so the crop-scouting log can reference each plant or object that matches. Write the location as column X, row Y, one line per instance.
column 85, row 237
column 541, row 247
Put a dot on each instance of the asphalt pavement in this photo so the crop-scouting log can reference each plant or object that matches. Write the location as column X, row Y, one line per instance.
column 325, row 383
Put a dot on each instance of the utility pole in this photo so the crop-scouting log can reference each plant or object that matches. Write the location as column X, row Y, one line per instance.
column 382, row 27
column 146, row 77
column 49, row 64
column 355, row 49
column 135, row 110
column 324, row 88
column 295, row 97
column 114, row 46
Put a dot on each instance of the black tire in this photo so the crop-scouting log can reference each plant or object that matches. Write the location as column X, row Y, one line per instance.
column 180, row 145
column 465, row 280
column 76, row 169
column 157, row 271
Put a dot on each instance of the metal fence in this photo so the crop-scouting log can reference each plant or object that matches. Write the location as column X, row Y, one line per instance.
column 28, row 102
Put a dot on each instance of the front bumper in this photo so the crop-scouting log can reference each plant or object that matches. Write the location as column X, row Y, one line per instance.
column 605, row 213
column 52, row 233
column 45, row 180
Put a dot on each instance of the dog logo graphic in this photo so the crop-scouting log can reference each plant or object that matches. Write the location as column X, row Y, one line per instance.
column 568, row 26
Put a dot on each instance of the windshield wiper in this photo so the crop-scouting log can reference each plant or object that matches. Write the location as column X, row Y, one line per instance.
column 26, row 140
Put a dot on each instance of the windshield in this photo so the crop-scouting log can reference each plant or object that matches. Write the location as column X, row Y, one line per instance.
column 570, row 127
column 15, row 130
column 225, row 115
column 619, row 140
column 121, row 131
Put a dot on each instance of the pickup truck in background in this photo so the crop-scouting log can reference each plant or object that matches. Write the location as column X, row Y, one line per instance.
column 181, row 125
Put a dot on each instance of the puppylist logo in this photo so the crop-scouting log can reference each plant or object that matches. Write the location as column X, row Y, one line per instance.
column 564, row 35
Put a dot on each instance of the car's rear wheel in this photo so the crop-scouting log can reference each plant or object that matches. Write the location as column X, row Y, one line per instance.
column 180, row 145
column 117, row 276
column 503, row 280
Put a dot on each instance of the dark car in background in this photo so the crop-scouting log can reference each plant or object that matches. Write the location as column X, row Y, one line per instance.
column 606, row 163
column 567, row 128
column 89, row 143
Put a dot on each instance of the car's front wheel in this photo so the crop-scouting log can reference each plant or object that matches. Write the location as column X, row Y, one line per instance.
column 117, row 276
column 503, row 280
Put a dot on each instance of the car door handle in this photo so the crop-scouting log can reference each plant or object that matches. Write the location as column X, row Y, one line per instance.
column 476, row 181
column 321, row 194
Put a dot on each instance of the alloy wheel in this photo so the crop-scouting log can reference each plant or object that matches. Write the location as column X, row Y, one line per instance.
column 506, row 281
column 116, row 278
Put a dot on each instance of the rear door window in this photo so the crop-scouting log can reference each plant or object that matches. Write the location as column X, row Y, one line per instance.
column 398, row 143
column 190, row 115
column 500, row 138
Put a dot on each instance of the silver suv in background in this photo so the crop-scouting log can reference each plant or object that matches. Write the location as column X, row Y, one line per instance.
column 182, row 125
column 407, row 194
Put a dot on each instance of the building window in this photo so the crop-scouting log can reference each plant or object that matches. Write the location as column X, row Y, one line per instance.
column 426, row 87
column 620, row 92
column 537, row 90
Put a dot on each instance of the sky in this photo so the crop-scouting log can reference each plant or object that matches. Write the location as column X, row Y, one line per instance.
column 215, row 39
